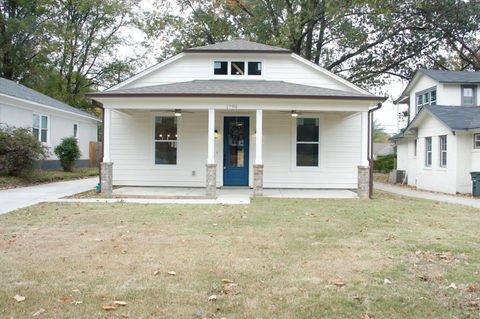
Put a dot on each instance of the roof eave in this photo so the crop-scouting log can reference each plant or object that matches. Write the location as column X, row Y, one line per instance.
column 236, row 51
column 270, row 96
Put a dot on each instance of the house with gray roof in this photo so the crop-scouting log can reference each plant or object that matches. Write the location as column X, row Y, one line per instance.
column 49, row 119
column 441, row 144
column 237, row 113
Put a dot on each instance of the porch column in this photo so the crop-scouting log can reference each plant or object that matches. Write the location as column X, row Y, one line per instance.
column 211, row 183
column 363, row 168
column 106, row 166
column 258, row 166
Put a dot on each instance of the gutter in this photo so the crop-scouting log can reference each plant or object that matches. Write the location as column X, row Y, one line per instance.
column 370, row 149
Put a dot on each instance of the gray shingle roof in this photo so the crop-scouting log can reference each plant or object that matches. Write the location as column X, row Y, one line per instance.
column 452, row 76
column 14, row 89
column 238, row 46
column 237, row 88
column 456, row 117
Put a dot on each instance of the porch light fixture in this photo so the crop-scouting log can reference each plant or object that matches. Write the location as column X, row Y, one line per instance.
column 294, row 114
column 216, row 133
column 178, row 112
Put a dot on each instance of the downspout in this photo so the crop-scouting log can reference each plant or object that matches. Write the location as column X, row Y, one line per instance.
column 100, row 156
column 370, row 149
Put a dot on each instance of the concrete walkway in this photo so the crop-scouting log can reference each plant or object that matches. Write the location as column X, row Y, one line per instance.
column 15, row 198
column 405, row 191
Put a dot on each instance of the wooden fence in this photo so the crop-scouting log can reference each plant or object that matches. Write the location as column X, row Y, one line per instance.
column 95, row 153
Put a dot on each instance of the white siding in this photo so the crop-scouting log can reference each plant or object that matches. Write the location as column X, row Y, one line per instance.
column 436, row 178
column 60, row 125
column 465, row 161
column 412, row 164
column 276, row 67
column 133, row 153
column 402, row 155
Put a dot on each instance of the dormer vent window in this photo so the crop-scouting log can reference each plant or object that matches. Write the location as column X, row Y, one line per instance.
column 237, row 68
column 220, row 67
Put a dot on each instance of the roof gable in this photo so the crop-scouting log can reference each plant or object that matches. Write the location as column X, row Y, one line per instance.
column 20, row 91
column 242, row 46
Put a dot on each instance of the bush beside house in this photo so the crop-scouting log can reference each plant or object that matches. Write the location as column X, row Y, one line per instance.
column 384, row 164
column 68, row 152
column 19, row 150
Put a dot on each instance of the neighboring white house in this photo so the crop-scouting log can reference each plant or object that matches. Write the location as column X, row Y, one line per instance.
column 50, row 120
column 441, row 144
column 236, row 113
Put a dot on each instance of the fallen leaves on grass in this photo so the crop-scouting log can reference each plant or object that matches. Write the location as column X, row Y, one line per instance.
column 212, row 298
column 471, row 288
column 120, row 303
column 19, row 298
column 172, row 273
column 108, row 307
column 452, row 286
column 65, row 300
column 422, row 277
column 387, row 281
column 38, row 312
column 339, row 283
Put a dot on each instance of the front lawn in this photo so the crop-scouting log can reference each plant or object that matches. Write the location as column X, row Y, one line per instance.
column 392, row 257
column 40, row 176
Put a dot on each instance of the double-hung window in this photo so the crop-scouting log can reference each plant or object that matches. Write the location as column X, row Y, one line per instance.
column 426, row 97
column 476, row 141
column 443, row 150
column 428, row 151
column 307, row 143
column 469, row 95
column 40, row 127
column 166, row 140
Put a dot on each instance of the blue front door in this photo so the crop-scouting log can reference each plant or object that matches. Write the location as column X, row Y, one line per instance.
column 235, row 151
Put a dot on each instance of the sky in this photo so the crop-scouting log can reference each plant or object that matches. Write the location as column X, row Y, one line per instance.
column 386, row 116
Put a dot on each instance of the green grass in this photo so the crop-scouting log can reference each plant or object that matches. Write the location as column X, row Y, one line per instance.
column 39, row 176
column 285, row 257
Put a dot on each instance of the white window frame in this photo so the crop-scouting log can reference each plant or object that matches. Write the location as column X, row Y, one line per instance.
column 415, row 148
column 443, row 152
column 78, row 130
column 474, row 95
column 179, row 139
column 294, row 144
column 476, row 139
column 47, row 142
column 229, row 69
column 427, row 152
column 423, row 94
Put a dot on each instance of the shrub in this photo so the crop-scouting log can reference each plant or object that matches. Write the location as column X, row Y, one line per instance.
column 19, row 150
column 384, row 164
column 68, row 152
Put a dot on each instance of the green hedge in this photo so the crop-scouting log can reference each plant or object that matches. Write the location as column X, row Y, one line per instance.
column 384, row 164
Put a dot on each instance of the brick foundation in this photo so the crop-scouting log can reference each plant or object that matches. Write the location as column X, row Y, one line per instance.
column 106, row 177
column 363, row 182
column 257, row 180
column 211, row 182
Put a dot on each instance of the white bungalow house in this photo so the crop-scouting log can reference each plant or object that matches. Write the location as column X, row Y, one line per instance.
column 50, row 120
column 441, row 144
column 236, row 113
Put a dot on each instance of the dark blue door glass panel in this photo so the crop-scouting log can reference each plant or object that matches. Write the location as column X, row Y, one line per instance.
column 235, row 148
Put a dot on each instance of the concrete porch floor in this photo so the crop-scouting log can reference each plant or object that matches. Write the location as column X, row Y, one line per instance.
column 231, row 192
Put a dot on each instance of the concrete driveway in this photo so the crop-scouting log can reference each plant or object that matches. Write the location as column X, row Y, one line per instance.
column 15, row 198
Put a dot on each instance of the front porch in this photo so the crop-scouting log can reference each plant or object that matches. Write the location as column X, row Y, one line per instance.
column 309, row 150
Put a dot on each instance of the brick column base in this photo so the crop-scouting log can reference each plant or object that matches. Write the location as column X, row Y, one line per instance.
column 257, row 180
column 363, row 182
column 106, row 177
column 211, row 183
